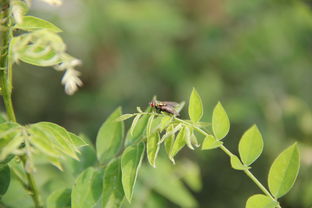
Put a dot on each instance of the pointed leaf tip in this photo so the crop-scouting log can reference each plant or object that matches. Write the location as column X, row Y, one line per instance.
column 284, row 171
column 195, row 106
column 220, row 122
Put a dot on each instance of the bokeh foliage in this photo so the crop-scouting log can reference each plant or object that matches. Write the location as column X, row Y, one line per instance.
column 255, row 56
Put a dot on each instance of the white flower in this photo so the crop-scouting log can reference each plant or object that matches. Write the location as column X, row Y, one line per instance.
column 71, row 81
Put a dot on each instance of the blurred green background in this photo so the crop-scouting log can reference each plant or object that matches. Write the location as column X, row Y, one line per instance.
column 254, row 56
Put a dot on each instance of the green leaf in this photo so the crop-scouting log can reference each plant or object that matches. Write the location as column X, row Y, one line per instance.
column 195, row 106
column 210, row 142
column 169, row 141
column 41, row 56
column 12, row 145
column 178, row 144
column 194, row 140
column 59, row 199
column 260, row 201
column 165, row 121
column 284, row 171
column 109, row 138
column 220, row 122
column 134, row 123
column 8, row 140
column 138, row 131
column 124, row 117
column 31, row 23
column 130, row 164
column 188, row 139
column 149, row 125
column 237, row 164
column 113, row 193
column 77, row 140
column 5, row 177
column 43, row 142
column 87, row 189
column 152, row 148
column 59, row 136
column 170, row 131
column 139, row 109
column 164, row 181
column 250, row 145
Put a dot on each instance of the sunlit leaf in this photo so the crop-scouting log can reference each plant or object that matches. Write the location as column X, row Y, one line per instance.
column 236, row 163
column 188, row 139
column 130, row 164
column 260, row 201
column 178, row 144
column 59, row 199
column 31, row 23
column 109, row 138
column 149, row 125
column 138, row 131
column 165, row 121
column 59, row 136
column 210, row 142
column 169, row 141
column 220, row 122
column 124, row 117
column 250, row 145
column 113, row 193
column 12, row 145
column 134, row 123
column 152, row 148
column 170, row 131
column 87, row 189
column 284, row 171
column 43, row 142
column 195, row 106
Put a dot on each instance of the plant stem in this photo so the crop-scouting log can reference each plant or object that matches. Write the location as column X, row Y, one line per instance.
column 6, row 85
column 5, row 37
column 32, row 186
column 230, row 154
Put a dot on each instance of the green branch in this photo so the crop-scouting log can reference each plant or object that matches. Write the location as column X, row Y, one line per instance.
column 230, row 154
column 6, row 85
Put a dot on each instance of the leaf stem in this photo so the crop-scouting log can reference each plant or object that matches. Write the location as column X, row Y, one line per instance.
column 6, row 84
column 230, row 154
column 32, row 186
column 5, row 38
